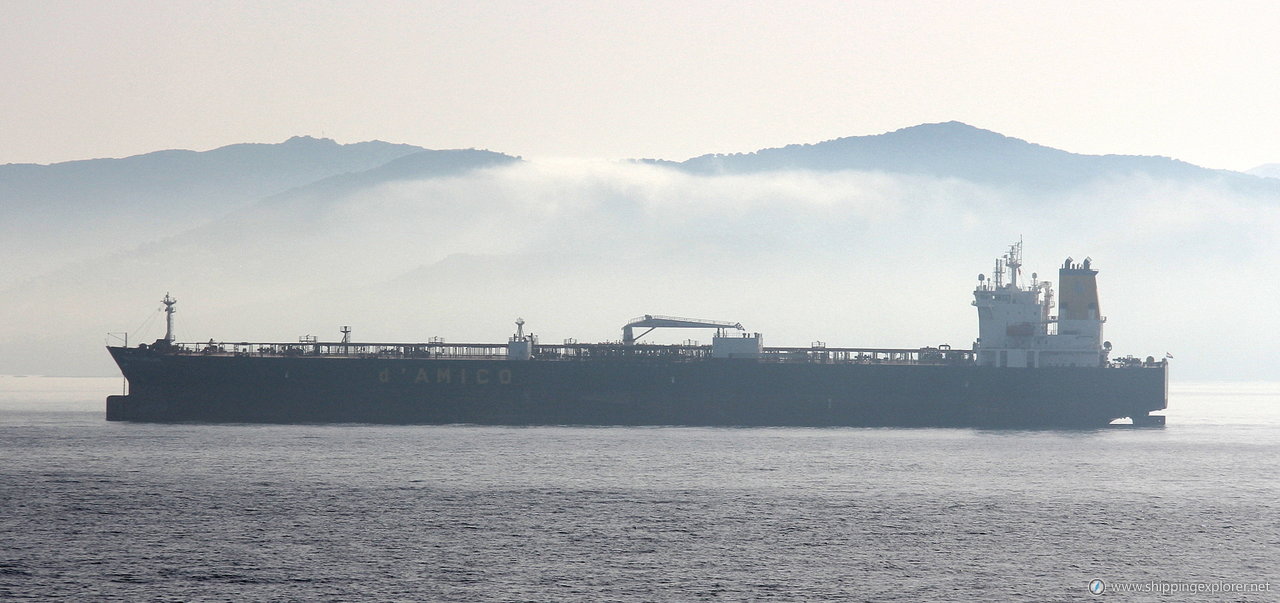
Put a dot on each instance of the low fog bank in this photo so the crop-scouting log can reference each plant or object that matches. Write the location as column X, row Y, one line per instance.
column 578, row 248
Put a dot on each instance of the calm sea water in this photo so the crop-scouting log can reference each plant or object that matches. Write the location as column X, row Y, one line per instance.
column 91, row 510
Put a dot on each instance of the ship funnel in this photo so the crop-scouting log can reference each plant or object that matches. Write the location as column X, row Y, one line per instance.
column 1078, row 292
column 1079, row 315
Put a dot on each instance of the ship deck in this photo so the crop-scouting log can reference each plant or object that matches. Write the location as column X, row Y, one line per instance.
column 571, row 351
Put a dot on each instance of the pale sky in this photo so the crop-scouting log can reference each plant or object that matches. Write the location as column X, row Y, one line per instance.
column 1197, row 81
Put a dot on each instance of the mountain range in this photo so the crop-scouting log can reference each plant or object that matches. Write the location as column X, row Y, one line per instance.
column 51, row 215
column 958, row 150
column 1268, row 170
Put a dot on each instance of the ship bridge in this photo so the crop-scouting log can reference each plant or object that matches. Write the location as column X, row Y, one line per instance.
column 1016, row 327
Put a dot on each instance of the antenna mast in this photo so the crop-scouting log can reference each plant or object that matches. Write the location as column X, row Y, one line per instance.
column 168, row 310
column 1014, row 261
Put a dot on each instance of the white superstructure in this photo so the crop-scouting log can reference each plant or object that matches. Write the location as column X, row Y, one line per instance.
column 1016, row 327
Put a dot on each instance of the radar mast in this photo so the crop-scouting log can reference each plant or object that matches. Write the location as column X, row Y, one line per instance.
column 1013, row 260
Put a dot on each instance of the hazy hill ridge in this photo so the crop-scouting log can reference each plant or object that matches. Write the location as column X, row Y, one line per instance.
column 54, row 214
column 958, row 150
column 238, row 172
column 419, row 165
column 1269, row 170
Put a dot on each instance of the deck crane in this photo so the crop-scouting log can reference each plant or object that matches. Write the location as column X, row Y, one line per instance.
column 672, row 322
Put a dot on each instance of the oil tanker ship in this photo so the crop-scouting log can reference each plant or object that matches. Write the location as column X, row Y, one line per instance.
column 1028, row 368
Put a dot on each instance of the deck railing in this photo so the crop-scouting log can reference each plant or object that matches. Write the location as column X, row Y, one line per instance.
column 571, row 351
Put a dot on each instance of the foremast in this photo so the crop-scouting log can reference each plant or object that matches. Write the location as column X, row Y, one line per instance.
column 168, row 302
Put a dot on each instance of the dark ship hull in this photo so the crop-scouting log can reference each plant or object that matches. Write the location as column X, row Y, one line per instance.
column 167, row 386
